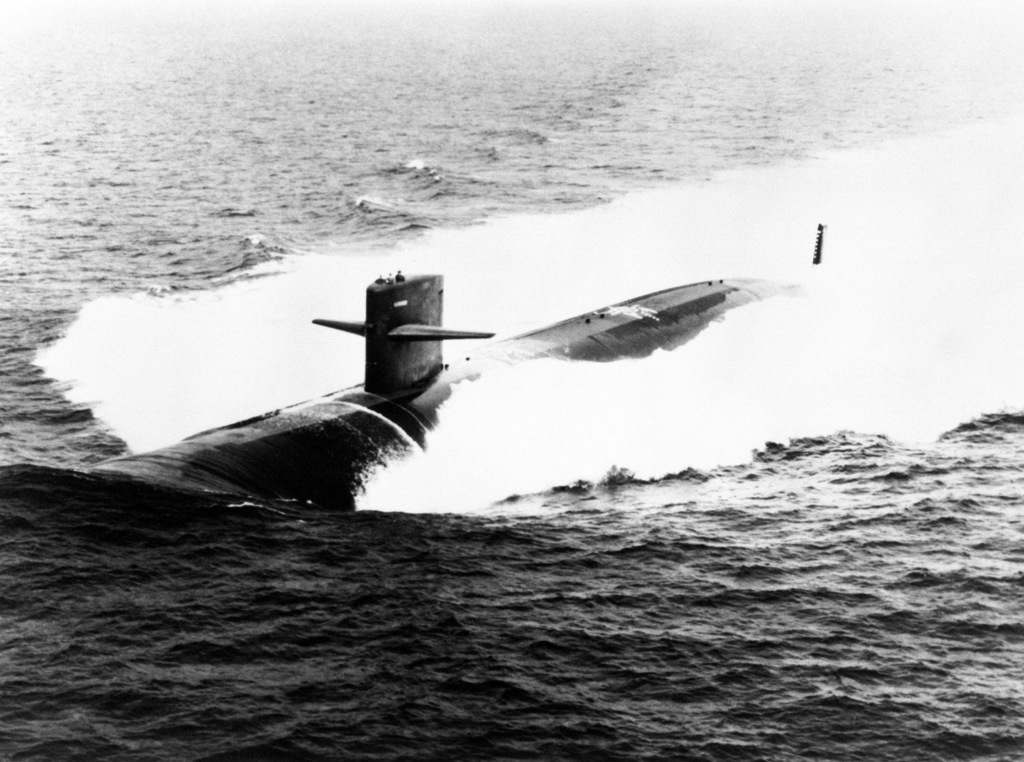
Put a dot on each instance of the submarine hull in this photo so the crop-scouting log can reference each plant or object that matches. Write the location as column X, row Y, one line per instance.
column 324, row 450
column 637, row 327
column 317, row 452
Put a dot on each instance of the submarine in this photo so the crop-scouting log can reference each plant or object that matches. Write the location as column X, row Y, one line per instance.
column 322, row 451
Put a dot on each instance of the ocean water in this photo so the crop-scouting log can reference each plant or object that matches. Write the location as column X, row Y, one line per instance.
column 797, row 537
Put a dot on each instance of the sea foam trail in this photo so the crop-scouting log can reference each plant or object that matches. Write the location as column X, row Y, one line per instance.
column 908, row 328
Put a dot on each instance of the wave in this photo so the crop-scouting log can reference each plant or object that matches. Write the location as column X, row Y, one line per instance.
column 987, row 428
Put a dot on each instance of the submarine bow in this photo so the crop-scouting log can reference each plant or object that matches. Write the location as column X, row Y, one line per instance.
column 322, row 451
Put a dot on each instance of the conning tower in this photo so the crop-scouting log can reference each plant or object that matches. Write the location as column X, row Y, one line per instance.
column 403, row 333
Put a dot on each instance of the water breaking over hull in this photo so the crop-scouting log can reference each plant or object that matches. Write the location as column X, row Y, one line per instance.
column 318, row 451
column 323, row 450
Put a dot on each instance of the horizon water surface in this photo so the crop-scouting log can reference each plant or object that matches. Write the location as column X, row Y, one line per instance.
column 797, row 537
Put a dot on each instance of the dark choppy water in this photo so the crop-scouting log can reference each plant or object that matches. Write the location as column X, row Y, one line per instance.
column 173, row 176
column 841, row 597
